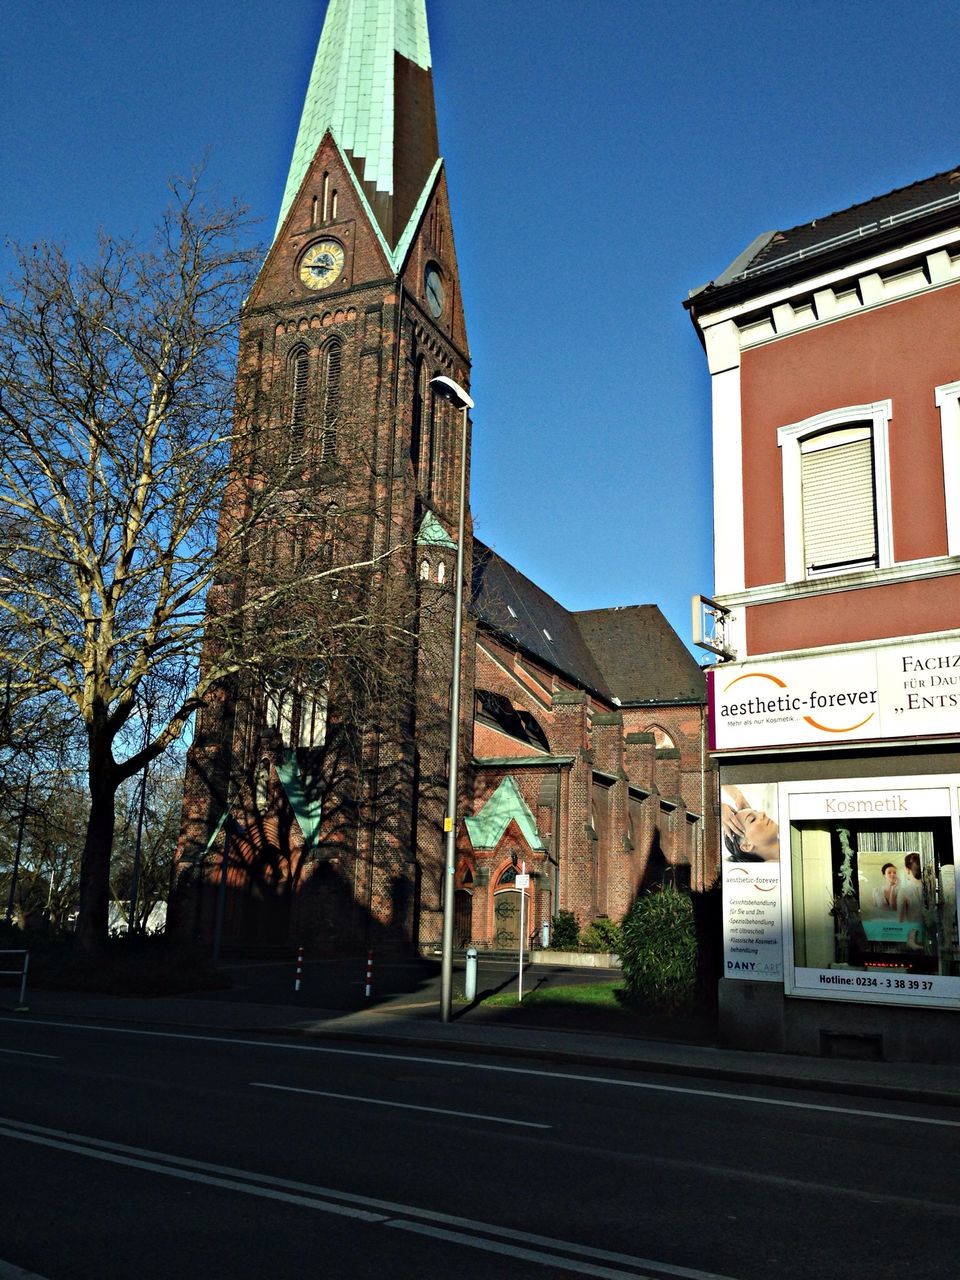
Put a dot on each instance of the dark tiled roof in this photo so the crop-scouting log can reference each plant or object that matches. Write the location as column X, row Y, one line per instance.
column 516, row 608
column 631, row 654
column 848, row 226
column 641, row 656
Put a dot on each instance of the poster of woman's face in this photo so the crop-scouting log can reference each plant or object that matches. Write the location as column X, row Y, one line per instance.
column 880, row 878
column 750, row 822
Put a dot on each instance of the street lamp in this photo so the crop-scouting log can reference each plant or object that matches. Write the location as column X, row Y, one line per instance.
column 456, row 395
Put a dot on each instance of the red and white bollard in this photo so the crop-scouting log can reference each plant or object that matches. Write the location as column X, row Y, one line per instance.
column 369, row 987
column 296, row 984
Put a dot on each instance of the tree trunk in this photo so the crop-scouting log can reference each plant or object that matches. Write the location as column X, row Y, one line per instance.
column 95, row 868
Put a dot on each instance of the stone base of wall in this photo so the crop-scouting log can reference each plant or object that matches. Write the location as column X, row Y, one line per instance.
column 758, row 1016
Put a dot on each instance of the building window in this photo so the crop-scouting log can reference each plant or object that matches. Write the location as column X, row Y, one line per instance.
column 872, row 890
column 333, row 362
column 416, row 426
column 837, row 462
column 948, row 402
column 298, row 380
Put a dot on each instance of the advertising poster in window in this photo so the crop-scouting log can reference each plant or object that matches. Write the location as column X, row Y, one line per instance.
column 752, row 930
column 872, row 891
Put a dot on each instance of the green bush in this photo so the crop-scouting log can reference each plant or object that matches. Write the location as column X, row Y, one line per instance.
column 565, row 932
column 659, row 952
column 601, row 935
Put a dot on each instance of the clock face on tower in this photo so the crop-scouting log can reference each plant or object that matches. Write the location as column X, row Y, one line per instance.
column 322, row 264
column 433, row 286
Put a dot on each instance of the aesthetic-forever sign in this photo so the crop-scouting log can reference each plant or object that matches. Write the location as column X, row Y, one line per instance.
column 898, row 691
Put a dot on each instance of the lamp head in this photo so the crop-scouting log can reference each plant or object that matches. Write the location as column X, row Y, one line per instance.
column 451, row 391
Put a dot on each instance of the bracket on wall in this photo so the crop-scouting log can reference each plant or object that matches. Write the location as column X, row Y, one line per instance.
column 710, row 627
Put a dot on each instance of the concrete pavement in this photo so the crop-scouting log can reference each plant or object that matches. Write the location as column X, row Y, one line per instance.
column 411, row 1020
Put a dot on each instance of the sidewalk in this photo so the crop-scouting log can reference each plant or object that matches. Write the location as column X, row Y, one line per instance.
column 411, row 1020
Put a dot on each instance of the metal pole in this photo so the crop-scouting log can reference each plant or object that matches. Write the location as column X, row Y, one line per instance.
column 450, row 821
column 523, row 890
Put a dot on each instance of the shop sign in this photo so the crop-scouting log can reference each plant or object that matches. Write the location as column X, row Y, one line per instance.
column 864, row 695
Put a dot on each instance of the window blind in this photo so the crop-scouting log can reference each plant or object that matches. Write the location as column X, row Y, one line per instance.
column 839, row 515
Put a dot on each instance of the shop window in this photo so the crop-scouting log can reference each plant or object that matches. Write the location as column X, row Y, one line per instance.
column 874, row 902
column 948, row 402
column 836, row 461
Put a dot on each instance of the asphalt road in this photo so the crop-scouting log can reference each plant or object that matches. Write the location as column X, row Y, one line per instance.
column 127, row 1153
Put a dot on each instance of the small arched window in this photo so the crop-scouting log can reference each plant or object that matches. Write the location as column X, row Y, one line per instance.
column 424, row 570
column 262, row 788
column 333, row 363
column 441, row 572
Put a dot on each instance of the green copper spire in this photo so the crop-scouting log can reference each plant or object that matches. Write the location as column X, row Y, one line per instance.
column 371, row 87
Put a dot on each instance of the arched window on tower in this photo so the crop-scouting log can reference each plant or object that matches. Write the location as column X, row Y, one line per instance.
column 432, row 444
column 333, row 363
column 416, row 427
column 328, row 545
column 298, row 379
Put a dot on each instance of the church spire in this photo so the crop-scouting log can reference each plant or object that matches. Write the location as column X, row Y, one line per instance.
column 371, row 88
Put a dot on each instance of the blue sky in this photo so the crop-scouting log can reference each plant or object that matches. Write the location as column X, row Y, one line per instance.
column 604, row 158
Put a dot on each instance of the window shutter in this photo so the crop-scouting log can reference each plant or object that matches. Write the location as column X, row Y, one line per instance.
column 298, row 397
column 839, row 515
column 331, row 403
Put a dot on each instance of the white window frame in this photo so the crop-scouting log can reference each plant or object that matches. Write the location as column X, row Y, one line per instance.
column 948, row 402
column 791, row 437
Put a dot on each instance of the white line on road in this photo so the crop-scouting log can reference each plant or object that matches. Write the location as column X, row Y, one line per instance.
column 462, row 1064
column 22, row 1053
column 404, row 1106
column 9, row 1272
column 363, row 1208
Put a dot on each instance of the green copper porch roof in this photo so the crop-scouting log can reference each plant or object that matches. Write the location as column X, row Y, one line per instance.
column 433, row 534
column 306, row 809
column 371, row 88
column 486, row 828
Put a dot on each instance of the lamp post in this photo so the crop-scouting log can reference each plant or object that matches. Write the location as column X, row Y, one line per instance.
column 453, row 392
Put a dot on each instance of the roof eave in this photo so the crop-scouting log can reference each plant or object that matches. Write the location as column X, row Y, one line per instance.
column 719, row 294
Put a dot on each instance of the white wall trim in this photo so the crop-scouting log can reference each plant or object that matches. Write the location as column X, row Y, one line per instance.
column 789, row 439
column 948, row 402
column 728, row 532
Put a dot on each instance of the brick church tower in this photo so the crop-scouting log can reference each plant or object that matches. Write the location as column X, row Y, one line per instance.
column 313, row 809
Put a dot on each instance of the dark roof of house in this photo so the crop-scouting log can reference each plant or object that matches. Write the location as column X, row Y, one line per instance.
column 641, row 656
column 630, row 654
column 516, row 608
column 885, row 215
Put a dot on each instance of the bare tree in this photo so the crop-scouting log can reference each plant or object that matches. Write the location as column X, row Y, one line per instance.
column 132, row 503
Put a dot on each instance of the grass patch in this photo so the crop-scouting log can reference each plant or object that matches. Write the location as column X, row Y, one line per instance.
column 593, row 995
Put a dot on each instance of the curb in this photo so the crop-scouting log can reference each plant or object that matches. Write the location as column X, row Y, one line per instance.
column 559, row 1056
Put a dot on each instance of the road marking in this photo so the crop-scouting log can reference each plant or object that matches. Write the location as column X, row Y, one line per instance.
column 404, row 1106
column 543, row 1250
column 577, row 1265
column 22, row 1053
column 464, row 1065
column 9, row 1272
